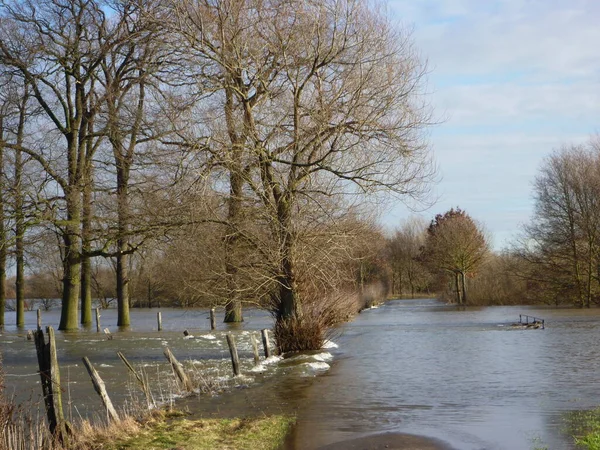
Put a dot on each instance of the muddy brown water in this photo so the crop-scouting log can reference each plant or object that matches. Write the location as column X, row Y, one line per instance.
column 461, row 376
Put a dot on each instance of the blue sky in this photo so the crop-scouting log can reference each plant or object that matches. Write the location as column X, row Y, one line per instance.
column 511, row 80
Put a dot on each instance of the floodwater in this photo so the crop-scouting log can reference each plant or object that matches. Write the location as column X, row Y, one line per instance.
column 463, row 376
column 204, row 354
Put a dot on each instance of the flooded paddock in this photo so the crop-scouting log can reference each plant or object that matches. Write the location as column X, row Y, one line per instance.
column 463, row 376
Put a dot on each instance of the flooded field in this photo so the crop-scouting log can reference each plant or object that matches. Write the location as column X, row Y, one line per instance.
column 460, row 375
column 463, row 376
column 205, row 355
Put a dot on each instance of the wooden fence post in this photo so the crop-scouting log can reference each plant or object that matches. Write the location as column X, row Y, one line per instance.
column 44, row 365
column 39, row 319
column 50, row 381
column 255, row 348
column 98, row 328
column 266, row 344
column 213, row 320
column 159, row 320
column 178, row 369
column 235, row 360
column 55, row 378
column 101, row 390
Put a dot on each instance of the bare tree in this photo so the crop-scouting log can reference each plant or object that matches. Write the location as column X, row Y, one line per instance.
column 457, row 245
column 220, row 38
column 82, row 62
column 126, row 75
column 321, row 104
column 53, row 46
column 13, row 116
column 562, row 242
column 500, row 281
column 19, row 206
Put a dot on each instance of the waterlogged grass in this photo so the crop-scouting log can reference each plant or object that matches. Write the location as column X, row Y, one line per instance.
column 264, row 433
column 584, row 426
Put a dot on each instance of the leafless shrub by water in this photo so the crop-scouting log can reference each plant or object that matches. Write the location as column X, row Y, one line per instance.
column 372, row 295
column 320, row 313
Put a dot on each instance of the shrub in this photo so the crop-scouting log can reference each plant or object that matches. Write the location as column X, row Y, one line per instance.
column 319, row 313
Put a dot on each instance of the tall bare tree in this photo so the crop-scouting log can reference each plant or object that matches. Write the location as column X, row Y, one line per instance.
column 232, row 68
column 321, row 105
column 562, row 242
column 54, row 46
column 19, row 206
column 127, row 68
column 13, row 116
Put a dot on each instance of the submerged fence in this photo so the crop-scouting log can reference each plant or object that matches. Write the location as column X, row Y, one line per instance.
column 535, row 321
column 49, row 371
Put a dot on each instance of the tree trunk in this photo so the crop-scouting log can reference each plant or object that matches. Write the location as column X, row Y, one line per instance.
column 463, row 281
column 71, row 278
column 233, row 311
column 3, row 242
column 289, row 303
column 588, row 291
column 2, row 279
column 122, row 287
column 288, row 296
column 123, row 319
column 400, row 283
column 233, row 308
column 20, row 217
column 19, row 240
column 71, row 262
column 86, row 247
column 458, row 290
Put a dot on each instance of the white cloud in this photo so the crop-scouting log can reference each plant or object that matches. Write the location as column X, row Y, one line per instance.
column 513, row 104
column 514, row 80
column 556, row 38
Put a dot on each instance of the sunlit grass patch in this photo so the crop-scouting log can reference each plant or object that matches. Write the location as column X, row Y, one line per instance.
column 206, row 434
column 584, row 426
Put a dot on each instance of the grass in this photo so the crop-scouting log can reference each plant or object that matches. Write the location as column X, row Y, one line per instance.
column 584, row 426
column 264, row 433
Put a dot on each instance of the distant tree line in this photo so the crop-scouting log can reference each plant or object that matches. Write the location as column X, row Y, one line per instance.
column 555, row 260
column 444, row 258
